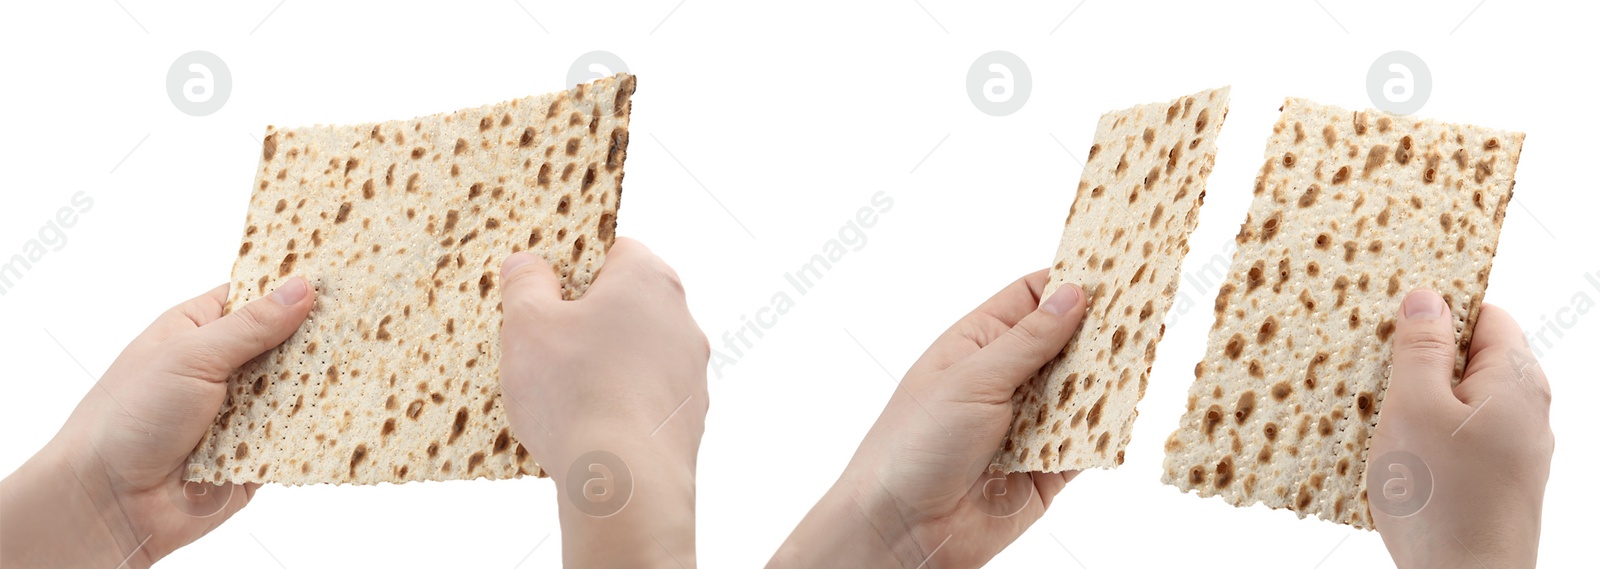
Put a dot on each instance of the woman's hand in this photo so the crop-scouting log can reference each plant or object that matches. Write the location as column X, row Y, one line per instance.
column 608, row 394
column 1457, row 474
column 108, row 490
column 918, row 492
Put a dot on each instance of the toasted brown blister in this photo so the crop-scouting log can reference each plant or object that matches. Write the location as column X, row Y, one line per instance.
column 1352, row 211
column 401, row 228
column 1125, row 238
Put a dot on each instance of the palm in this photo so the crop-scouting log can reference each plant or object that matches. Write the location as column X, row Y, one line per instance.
column 969, row 514
column 158, row 403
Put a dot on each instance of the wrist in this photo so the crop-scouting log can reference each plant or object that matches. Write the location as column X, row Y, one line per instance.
column 856, row 523
column 655, row 445
column 74, row 517
column 1497, row 542
column 626, row 506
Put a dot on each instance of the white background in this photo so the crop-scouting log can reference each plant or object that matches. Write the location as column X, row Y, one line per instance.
column 791, row 115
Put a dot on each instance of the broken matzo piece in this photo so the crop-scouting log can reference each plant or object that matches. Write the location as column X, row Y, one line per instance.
column 1352, row 211
column 1125, row 238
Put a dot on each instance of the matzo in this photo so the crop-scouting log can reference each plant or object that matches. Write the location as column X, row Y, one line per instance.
column 1125, row 238
column 401, row 227
column 1352, row 211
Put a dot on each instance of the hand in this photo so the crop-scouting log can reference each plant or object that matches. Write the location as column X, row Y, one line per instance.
column 916, row 494
column 108, row 488
column 608, row 393
column 1482, row 447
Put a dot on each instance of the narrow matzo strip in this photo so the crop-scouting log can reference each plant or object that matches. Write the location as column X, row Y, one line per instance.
column 1352, row 211
column 1125, row 238
column 401, row 228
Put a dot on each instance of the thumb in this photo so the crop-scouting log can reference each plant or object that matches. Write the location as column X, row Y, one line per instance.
column 229, row 342
column 526, row 281
column 1018, row 354
column 1424, row 356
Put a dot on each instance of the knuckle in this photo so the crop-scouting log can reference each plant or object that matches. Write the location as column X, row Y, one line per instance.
column 979, row 383
column 1530, row 379
column 1428, row 343
column 1429, row 360
column 517, row 306
column 1034, row 283
column 517, row 279
column 1031, row 334
column 1535, row 384
column 195, row 357
column 510, row 281
column 670, row 273
column 181, row 313
column 976, row 331
column 627, row 245
column 626, row 252
column 659, row 274
column 541, row 329
column 676, row 285
column 254, row 326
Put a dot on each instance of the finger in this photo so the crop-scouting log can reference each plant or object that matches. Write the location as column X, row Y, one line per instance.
column 627, row 253
column 230, row 341
column 1000, row 312
column 191, row 314
column 1497, row 341
column 215, row 297
column 1036, row 339
column 629, row 264
column 1048, row 484
column 1495, row 328
column 206, row 308
column 1016, row 301
column 988, row 321
column 527, row 282
column 1424, row 357
column 238, row 496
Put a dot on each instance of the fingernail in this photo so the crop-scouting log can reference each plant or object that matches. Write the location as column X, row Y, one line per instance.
column 291, row 291
column 1063, row 299
column 1423, row 304
column 516, row 260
